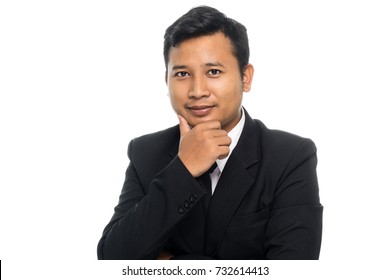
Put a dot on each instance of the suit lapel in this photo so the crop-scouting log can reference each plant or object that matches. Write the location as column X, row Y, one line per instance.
column 236, row 179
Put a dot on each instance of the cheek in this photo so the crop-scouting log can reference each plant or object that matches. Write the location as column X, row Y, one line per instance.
column 230, row 95
column 177, row 93
column 227, row 87
column 176, row 101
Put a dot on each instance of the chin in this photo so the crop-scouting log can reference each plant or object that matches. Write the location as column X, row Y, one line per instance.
column 195, row 121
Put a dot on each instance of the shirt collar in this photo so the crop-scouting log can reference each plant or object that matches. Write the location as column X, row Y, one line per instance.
column 234, row 134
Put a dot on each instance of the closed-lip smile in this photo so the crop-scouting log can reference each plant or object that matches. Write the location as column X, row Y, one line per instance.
column 200, row 110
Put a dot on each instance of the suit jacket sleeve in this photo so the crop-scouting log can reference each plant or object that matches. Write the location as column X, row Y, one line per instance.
column 295, row 227
column 145, row 216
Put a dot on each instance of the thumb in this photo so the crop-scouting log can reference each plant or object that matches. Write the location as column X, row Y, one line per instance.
column 183, row 125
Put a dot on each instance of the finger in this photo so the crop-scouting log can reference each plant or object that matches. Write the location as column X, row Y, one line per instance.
column 183, row 125
column 223, row 152
column 208, row 125
column 218, row 133
column 224, row 141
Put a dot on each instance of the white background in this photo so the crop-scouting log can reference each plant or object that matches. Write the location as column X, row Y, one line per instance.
column 80, row 79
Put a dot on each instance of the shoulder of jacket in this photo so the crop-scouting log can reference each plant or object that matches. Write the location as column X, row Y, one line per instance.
column 278, row 146
column 280, row 137
column 155, row 142
column 171, row 132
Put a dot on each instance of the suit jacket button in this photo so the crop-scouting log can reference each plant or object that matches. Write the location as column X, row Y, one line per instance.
column 186, row 204
column 192, row 198
column 181, row 210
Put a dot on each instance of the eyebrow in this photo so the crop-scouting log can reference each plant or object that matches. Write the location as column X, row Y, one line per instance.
column 176, row 67
column 213, row 64
column 209, row 64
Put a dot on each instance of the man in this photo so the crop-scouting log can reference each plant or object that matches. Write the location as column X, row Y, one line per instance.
column 260, row 199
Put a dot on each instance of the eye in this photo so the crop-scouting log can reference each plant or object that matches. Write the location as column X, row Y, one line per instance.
column 214, row 72
column 182, row 74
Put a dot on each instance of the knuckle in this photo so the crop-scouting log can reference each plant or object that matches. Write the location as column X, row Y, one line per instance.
column 217, row 124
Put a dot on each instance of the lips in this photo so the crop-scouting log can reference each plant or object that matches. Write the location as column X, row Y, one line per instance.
column 200, row 110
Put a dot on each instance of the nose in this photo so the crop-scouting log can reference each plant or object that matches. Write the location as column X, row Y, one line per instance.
column 199, row 88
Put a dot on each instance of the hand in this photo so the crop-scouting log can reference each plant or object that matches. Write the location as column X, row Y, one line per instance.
column 202, row 145
column 165, row 255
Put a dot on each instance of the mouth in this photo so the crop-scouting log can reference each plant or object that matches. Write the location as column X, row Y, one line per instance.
column 200, row 110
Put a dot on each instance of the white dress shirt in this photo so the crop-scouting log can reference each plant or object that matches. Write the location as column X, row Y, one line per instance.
column 234, row 134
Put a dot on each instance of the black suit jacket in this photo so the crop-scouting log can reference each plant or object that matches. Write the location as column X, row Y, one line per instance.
column 266, row 204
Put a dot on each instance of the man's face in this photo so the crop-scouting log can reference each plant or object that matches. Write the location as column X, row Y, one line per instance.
column 204, row 81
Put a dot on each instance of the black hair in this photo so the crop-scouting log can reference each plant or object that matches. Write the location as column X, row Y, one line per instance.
column 204, row 20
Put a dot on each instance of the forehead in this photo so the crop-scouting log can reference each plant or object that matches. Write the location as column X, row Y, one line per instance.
column 203, row 49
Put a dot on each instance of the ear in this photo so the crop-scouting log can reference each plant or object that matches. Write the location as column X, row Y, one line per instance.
column 247, row 77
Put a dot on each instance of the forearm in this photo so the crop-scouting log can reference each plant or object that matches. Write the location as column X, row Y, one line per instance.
column 145, row 226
